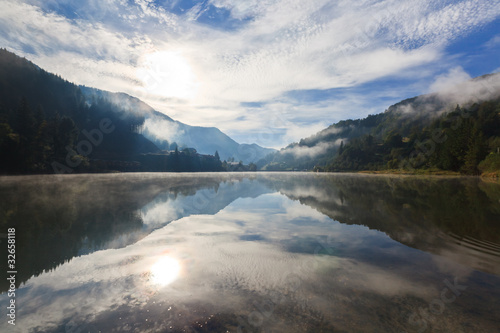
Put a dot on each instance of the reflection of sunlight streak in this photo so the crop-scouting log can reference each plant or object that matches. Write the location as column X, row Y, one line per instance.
column 165, row 271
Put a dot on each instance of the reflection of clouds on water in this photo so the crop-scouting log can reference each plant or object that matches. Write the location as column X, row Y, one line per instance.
column 158, row 213
column 447, row 265
column 294, row 211
column 168, row 207
column 215, row 261
column 303, row 191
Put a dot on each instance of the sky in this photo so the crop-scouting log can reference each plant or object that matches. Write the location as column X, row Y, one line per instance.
column 263, row 71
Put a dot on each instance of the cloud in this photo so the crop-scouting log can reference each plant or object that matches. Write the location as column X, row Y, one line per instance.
column 242, row 10
column 49, row 33
column 81, row 51
column 495, row 41
column 163, row 130
column 449, row 80
column 457, row 87
column 310, row 152
column 330, row 131
column 350, row 45
column 452, row 88
column 441, row 21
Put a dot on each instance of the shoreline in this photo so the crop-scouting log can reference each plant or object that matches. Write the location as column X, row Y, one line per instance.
column 485, row 176
column 414, row 173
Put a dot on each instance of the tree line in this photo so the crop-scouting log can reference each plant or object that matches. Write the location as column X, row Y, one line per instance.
column 466, row 140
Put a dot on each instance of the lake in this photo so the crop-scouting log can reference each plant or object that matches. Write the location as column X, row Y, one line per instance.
column 251, row 252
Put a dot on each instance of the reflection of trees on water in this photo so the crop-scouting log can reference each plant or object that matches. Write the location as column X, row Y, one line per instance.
column 430, row 214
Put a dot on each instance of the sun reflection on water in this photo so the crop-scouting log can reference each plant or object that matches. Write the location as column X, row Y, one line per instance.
column 165, row 271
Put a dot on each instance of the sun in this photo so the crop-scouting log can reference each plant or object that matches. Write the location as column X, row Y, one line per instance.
column 167, row 74
column 165, row 271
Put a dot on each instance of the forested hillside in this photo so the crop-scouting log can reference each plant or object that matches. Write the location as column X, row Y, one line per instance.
column 428, row 132
column 46, row 125
column 457, row 141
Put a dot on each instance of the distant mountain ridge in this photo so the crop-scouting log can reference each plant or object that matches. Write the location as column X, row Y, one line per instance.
column 166, row 133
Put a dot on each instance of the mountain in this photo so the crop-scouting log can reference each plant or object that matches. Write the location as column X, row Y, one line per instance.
column 50, row 125
column 455, row 129
column 167, row 133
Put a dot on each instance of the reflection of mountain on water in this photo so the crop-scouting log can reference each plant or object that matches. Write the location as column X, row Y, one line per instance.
column 57, row 219
column 207, row 197
column 453, row 217
column 168, row 206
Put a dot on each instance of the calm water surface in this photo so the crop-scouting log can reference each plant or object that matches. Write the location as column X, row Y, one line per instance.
column 252, row 253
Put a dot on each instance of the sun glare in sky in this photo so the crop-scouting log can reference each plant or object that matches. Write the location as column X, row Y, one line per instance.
column 168, row 74
column 165, row 271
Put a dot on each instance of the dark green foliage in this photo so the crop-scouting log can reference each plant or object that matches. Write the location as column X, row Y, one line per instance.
column 491, row 163
column 184, row 161
column 36, row 137
column 455, row 141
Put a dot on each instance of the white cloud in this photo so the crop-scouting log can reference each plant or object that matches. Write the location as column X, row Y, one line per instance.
column 455, row 87
column 493, row 42
column 81, row 51
column 331, row 131
column 449, row 80
column 476, row 90
column 304, row 151
column 163, row 129
column 104, row 74
column 442, row 21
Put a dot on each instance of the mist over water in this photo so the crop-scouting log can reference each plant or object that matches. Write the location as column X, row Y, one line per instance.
column 253, row 252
